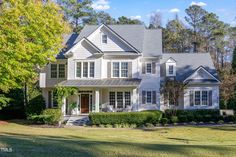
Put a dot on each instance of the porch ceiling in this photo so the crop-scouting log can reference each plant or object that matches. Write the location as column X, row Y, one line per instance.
column 101, row 83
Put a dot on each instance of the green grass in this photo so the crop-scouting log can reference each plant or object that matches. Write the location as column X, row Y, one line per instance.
column 28, row 141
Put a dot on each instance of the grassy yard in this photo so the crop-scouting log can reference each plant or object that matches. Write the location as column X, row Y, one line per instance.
column 28, row 141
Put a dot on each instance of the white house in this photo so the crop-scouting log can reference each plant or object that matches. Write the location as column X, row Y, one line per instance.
column 121, row 67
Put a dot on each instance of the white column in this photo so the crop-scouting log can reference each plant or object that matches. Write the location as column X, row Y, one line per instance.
column 63, row 108
column 135, row 99
column 97, row 101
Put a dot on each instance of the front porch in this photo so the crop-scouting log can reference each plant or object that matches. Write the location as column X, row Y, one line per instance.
column 120, row 99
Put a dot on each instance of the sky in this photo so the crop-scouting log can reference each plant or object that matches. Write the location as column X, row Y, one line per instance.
column 142, row 9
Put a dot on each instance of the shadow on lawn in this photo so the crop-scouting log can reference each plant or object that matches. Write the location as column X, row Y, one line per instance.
column 76, row 146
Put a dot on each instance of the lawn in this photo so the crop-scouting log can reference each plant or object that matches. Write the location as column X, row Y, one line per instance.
column 28, row 141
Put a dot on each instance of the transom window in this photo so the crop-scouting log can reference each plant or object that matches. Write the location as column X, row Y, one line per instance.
column 149, row 68
column 203, row 98
column 171, row 69
column 120, row 69
column 104, row 39
column 58, row 71
column 85, row 69
column 120, row 99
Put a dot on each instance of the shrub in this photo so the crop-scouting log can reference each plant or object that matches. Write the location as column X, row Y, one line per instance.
column 40, row 119
column 35, row 106
column 230, row 119
column 133, row 125
column 164, row 121
column 207, row 118
column 149, row 125
column 137, row 118
column 183, row 118
column 174, row 119
column 55, row 115
column 108, row 126
column 220, row 122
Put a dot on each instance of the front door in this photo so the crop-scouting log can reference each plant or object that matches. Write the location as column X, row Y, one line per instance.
column 84, row 103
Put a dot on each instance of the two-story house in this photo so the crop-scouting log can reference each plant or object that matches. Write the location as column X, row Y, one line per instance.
column 121, row 67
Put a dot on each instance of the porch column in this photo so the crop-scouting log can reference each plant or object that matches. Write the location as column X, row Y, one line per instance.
column 135, row 99
column 97, row 101
column 63, row 107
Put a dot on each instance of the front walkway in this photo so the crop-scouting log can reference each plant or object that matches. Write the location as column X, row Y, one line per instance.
column 77, row 120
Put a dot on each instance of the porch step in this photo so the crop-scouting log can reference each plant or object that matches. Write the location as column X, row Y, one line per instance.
column 77, row 120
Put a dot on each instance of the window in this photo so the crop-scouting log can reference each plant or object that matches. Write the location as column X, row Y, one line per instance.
column 204, row 98
column 85, row 69
column 149, row 97
column 91, row 69
column 104, row 39
column 171, row 69
column 197, row 98
column 149, row 68
column 53, row 70
column 62, row 71
column 78, row 69
column 191, row 98
column 119, row 99
column 116, row 69
column 124, row 69
column 112, row 99
column 52, row 100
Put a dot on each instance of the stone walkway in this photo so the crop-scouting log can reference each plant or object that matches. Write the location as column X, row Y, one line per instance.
column 77, row 120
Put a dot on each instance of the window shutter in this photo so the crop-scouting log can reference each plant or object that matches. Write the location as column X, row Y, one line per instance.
column 143, row 68
column 130, row 69
column 143, row 97
column 108, row 69
column 154, row 97
column 153, row 67
column 49, row 99
column 210, row 98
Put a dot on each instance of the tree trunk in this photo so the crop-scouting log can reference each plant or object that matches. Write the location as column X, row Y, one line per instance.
column 25, row 94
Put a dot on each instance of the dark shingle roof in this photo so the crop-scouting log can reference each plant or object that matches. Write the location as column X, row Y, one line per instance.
column 102, row 83
column 187, row 63
column 148, row 42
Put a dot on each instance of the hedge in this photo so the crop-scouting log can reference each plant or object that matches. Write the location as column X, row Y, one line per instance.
column 137, row 118
column 48, row 116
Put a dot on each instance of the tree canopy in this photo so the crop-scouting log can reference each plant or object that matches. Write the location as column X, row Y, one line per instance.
column 30, row 36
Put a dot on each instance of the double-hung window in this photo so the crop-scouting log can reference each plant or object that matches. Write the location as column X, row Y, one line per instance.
column 149, row 97
column 120, row 69
column 116, row 69
column 104, row 39
column 120, row 99
column 85, row 69
column 203, row 98
column 58, row 70
column 171, row 69
column 148, row 68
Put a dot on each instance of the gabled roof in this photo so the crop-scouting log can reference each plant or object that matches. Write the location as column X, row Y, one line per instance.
column 188, row 63
column 213, row 78
column 148, row 42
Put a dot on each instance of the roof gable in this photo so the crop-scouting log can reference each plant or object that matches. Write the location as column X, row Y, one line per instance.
column 201, row 74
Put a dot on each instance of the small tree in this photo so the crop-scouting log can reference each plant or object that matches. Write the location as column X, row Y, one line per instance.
column 172, row 90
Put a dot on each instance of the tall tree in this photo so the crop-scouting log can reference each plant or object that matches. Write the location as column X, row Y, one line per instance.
column 194, row 18
column 125, row 20
column 176, row 37
column 98, row 18
column 76, row 12
column 155, row 20
column 234, row 61
column 30, row 37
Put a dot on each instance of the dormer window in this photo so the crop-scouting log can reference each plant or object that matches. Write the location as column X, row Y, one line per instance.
column 171, row 69
column 104, row 39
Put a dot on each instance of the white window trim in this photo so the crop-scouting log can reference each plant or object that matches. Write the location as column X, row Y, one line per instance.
column 50, row 71
column 151, row 97
column 167, row 69
column 123, row 99
column 207, row 90
column 146, row 68
column 88, row 61
column 119, row 69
